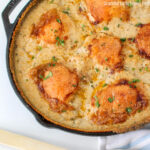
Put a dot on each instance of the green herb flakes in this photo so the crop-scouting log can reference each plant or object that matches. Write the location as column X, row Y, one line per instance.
column 97, row 104
column 74, row 85
column 60, row 42
column 130, row 5
column 83, row 27
column 54, row 59
column 50, row 74
column 138, row 1
column 104, row 85
column 135, row 80
column 123, row 39
column 58, row 20
column 131, row 56
column 106, row 28
column 39, row 48
column 96, row 69
column 51, row 1
column 106, row 59
column 138, row 24
column 111, row 99
column 146, row 69
column 128, row 109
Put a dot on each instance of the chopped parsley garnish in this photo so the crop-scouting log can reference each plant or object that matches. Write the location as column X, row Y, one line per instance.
column 96, row 69
column 83, row 77
column 130, row 4
column 55, row 31
column 96, row 102
column 80, row 8
column 33, row 57
column 92, row 85
column 91, row 32
column 135, row 80
column 58, row 20
column 39, row 48
column 138, row 1
column 128, row 109
column 76, row 41
column 41, row 76
column 95, row 97
column 54, row 59
column 91, row 82
column 130, row 56
column 118, row 25
column 139, row 111
column 133, row 69
column 138, row 24
column 104, row 85
column 83, row 26
column 63, row 110
column 50, row 74
column 51, row 1
column 106, row 28
column 106, row 59
column 74, row 85
column 146, row 69
column 123, row 39
column 66, row 12
column 111, row 99
column 132, row 39
column 60, row 42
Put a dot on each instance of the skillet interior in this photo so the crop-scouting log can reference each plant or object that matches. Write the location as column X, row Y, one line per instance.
column 42, row 106
column 10, row 67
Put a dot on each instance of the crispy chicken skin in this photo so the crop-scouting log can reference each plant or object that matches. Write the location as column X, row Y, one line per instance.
column 56, row 83
column 61, row 84
column 49, row 27
column 143, row 41
column 102, row 11
column 107, row 51
column 117, row 102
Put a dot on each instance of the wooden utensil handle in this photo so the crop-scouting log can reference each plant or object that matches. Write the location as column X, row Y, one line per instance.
column 24, row 143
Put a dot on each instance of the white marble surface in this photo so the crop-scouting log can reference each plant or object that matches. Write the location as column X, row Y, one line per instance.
column 16, row 118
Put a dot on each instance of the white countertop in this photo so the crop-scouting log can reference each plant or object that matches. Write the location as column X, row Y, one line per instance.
column 16, row 118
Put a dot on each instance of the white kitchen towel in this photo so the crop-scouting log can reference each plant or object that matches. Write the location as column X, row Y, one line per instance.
column 136, row 140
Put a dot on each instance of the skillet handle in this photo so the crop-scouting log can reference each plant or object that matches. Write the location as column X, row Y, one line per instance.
column 5, row 15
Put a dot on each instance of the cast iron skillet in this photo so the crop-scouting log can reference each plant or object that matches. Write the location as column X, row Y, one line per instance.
column 9, row 32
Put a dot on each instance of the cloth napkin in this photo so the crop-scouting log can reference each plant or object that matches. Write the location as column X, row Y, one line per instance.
column 135, row 140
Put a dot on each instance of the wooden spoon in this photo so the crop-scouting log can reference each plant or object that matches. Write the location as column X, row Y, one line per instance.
column 24, row 143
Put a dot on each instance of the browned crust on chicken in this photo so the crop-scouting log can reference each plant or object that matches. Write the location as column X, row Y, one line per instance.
column 107, row 51
column 143, row 41
column 49, row 27
column 56, row 83
column 101, row 10
column 117, row 102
